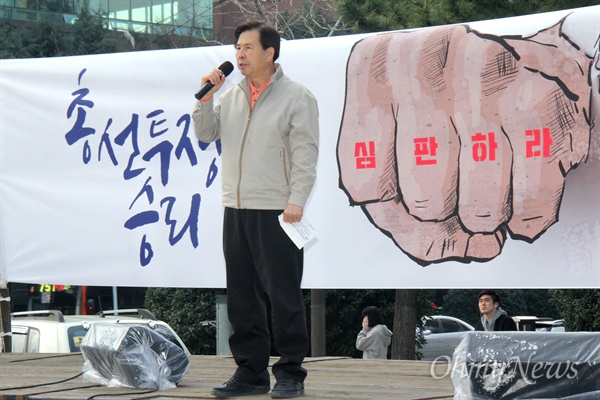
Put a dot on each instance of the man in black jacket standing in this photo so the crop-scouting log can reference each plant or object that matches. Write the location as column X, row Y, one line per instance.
column 493, row 317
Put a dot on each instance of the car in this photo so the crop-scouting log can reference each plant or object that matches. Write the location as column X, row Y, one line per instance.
column 550, row 325
column 50, row 331
column 442, row 335
column 556, row 325
column 525, row 322
column 539, row 324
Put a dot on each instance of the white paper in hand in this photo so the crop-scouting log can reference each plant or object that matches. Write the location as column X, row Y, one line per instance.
column 300, row 232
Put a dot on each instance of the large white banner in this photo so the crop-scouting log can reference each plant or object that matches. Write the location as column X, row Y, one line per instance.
column 450, row 157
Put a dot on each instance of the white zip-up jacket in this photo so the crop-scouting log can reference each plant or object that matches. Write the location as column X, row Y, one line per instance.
column 269, row 154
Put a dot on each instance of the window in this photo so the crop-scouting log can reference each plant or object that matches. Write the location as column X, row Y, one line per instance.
column 76, row 335
column 449, row 325
column 19, row 339
column 432, row 325
column 25, row 340
column 167, row 334
column 33, row 344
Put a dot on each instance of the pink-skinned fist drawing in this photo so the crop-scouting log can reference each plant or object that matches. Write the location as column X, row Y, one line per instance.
column 451, row 140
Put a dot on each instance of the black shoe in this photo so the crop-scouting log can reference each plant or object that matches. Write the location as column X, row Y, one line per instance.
column 235, row 387
column 287, row 388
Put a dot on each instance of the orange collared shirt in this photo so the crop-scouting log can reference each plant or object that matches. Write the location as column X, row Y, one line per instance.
column 255, row 93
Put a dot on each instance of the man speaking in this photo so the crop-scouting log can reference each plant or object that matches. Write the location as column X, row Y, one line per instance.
column 268, row 126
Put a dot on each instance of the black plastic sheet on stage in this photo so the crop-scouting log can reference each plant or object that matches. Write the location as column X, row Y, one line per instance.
column 526, row 365
column 117, row 355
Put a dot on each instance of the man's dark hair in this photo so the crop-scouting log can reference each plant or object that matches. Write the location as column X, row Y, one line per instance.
column 492, row 294
column 268, row 35
column 374, row 316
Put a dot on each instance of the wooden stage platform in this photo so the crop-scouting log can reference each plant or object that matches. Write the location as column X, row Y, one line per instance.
column 328, row 378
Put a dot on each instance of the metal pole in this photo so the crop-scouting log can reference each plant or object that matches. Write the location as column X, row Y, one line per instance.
column 115, row 299
column 337, row 23
column 317, row 322
column 5, row 318
column 78, row 301
column 223, row 326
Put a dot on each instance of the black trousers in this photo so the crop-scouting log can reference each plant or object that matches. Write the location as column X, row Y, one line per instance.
column 261, row 261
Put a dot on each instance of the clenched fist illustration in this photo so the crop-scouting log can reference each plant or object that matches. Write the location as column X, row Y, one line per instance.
column 451, row 138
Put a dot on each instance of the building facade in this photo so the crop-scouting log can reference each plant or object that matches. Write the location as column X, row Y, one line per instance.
column 157, row 17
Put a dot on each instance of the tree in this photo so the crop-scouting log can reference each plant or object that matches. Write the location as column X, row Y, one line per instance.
column 402, row 311
column 411, row 306
column 49, row 38
column 379, row 15
column 186, row 310
column 477, row 10
column 343, row 316
column 580, row 308
column 89, row 34
column 294, row 19
column 403, row 343
column 44, row 39
column 10, row 42
column 384, row 15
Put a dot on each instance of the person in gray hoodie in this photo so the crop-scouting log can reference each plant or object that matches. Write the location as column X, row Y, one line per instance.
column 493, row 317
column 374, row 338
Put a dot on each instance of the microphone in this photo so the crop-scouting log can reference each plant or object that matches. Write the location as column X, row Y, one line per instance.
column 225, row 68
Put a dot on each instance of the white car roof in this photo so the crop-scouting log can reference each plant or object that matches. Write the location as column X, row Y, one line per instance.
column 52, row 320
